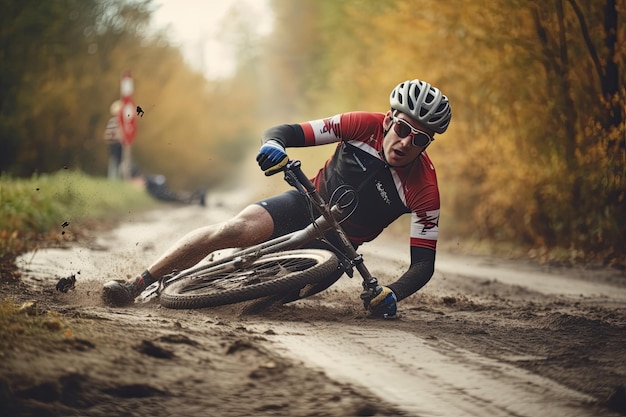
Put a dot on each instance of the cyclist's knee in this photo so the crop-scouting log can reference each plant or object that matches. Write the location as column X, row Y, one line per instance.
column 253, row 224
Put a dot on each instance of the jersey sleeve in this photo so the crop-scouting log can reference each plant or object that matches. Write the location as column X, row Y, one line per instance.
column 311, row 133
column 322, row 131
column 425, row 229
column 424, row 203
column 357, row 126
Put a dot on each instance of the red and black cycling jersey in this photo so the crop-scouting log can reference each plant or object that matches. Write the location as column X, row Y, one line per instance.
column 385, row 193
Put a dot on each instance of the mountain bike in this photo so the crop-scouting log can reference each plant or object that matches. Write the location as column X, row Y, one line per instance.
column 278, row 266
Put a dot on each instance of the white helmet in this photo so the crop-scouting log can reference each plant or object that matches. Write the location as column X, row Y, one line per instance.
column 116, row 106
column 423, row 103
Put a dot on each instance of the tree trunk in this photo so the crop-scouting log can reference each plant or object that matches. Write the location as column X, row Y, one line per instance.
column 610, row 82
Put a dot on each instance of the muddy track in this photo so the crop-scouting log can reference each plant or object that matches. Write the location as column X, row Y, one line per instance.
column 485, row 337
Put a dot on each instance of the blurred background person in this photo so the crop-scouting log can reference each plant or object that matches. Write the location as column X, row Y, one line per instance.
column 113, row 138
column 156, row 186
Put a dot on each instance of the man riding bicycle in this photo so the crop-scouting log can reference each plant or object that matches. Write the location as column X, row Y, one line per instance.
column 380, row 155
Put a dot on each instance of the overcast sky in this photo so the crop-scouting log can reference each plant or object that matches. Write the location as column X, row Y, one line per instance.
column 194, row 24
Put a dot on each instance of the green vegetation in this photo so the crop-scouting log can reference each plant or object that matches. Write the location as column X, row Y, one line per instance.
column 27, row 320
column 46, row 205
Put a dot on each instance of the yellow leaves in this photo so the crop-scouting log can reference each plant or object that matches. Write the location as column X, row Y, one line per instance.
column 28, row 319
column 10, row 241
column 53, row 324
column 29, row 308
column 7, row 235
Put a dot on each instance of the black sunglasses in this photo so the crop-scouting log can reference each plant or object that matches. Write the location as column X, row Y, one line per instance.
column 419, row 138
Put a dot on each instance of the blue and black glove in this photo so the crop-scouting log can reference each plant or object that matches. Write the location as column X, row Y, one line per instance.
column 272, row 157
column 380, row 302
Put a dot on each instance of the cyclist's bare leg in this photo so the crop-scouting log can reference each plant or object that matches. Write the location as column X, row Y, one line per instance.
column 251, row 226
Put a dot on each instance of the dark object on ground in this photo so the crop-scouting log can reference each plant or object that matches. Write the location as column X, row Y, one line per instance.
column 66, row 284
column 617, row 400
column 157, row 188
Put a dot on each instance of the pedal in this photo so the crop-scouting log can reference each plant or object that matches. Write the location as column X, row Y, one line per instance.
column 150, row 293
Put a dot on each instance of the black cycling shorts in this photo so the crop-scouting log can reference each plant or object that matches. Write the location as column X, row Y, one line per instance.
column 289, row 211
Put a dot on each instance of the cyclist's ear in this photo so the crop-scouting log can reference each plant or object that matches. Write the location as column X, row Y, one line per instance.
column 387, row 120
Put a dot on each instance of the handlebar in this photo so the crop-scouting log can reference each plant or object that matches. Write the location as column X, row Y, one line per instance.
column 295, row 177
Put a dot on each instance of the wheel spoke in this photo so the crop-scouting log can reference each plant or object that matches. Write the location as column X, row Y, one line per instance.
column 264, row 271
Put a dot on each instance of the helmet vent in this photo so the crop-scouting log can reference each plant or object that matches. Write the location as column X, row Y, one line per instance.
column 422, row 102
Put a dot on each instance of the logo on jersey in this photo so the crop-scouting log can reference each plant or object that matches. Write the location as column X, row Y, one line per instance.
column 382, row 192
column 429, row 223
column 425, row 226
column 331, row 126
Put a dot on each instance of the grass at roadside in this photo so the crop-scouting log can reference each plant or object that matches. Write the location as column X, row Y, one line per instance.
column 26, row 319
column 35, row 212
column 42, row 207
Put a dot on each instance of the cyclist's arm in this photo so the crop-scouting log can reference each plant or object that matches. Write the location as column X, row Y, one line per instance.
column 423, row 198
column 424, row 233
column 288, row 135
column 419, row 273
column 353, row 125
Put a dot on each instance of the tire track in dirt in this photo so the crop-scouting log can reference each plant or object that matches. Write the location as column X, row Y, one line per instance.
column 425, row 378
column 570, row 283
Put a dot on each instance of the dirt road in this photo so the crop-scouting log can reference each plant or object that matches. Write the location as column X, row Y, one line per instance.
column 484, row 337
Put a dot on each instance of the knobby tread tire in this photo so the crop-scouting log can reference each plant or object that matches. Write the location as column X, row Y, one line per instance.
column 207, row 289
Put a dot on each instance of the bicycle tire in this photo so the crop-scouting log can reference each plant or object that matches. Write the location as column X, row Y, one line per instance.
column 268, row 275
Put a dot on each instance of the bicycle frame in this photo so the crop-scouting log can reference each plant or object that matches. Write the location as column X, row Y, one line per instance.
column 326, row 222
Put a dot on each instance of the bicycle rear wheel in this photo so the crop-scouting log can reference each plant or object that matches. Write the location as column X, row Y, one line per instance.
column 268, row 275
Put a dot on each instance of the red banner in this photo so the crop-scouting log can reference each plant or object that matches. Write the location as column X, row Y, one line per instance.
column 128, row 113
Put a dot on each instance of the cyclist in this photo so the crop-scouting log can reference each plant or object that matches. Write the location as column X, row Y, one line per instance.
column 381, row 155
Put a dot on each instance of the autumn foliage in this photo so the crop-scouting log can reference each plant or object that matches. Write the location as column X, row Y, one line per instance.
column 535, row 154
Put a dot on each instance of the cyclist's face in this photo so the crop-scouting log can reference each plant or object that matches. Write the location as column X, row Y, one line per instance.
column 401, row 151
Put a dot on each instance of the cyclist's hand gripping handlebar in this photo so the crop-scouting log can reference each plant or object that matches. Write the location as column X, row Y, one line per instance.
column 272, row 157
column 380, row 301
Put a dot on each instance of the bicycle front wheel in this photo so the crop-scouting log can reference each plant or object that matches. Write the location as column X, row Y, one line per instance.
column 268, row 275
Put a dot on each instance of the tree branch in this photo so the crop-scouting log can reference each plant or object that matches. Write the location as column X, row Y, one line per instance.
column 585, row 32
